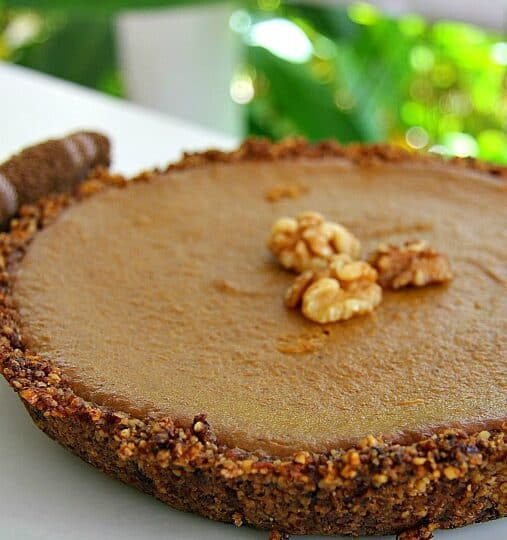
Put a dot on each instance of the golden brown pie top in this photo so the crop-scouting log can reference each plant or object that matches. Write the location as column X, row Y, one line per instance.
column 161, row 298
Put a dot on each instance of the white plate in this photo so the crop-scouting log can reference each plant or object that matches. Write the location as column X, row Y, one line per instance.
column 46, row 493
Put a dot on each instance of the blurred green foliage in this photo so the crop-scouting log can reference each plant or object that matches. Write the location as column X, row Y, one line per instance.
column 360, row 76
column 75, row 46
column 440, row 86
column 94, row 6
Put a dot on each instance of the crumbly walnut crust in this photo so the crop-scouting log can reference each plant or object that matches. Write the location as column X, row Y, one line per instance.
column 414, row 263
column 345, row 289
column 309, row 241
column 373, row 487
column 298, row 148
column 276, row 535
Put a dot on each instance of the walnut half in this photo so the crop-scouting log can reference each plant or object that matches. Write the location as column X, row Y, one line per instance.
column 308, row 242
column 343, row 290
column 414, row 263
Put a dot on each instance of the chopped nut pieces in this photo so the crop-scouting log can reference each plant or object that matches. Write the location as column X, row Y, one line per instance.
column 276, row 535
column 413, row 264
column 308, row 242
column 285, row 191
column 346, row 288
column 293, row 344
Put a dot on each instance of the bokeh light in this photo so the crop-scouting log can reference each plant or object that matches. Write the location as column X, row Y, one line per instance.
column 240, row 21
column 461, row 144
column 422, row 58
column 363, row 13
column 417, row 137
column 324, row 48
column 444, row 75
column 242, row 89
column 22, row 30
column 282, row 38
column 344, row 99
column 440, row 149
column 499, row 53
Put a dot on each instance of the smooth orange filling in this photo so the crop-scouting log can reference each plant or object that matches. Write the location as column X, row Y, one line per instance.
column 162, row 299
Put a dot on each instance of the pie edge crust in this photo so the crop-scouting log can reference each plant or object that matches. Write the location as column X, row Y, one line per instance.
column 448, row 480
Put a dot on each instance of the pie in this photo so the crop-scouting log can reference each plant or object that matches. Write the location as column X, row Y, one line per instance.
column 144, row 327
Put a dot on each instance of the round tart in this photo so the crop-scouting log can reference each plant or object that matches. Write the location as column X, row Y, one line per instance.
column 145, row 330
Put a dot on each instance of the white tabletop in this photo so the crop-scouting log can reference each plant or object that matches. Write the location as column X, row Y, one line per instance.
column 34, row 107
column 46, row 493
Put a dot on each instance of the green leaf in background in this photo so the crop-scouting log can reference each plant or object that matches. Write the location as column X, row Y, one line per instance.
column 296, row 95
column 96, row 6
column 346, row 91
column 81, row 49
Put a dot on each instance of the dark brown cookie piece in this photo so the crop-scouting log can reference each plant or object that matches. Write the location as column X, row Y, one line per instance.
column 54, row 165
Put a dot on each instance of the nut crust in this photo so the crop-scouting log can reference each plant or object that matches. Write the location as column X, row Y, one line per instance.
column 376, row 487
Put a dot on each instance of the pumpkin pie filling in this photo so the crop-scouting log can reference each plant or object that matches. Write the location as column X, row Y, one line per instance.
column 161, row 299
